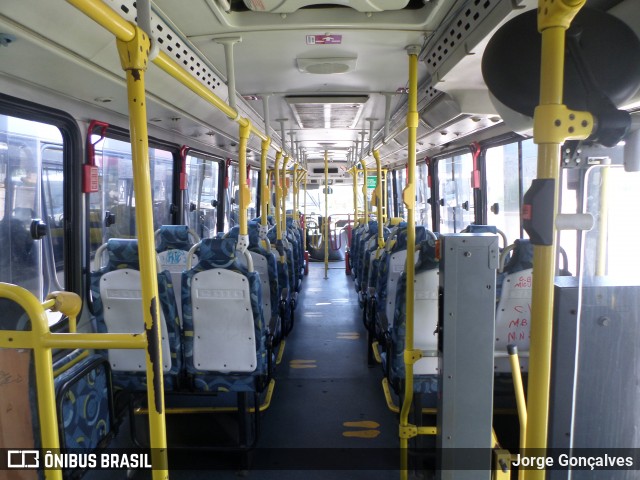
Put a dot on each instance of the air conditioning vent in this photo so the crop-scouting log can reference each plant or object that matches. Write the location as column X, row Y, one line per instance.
column 327, row 112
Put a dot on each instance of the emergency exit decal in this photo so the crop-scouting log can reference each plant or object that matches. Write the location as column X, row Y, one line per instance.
column 324, row 39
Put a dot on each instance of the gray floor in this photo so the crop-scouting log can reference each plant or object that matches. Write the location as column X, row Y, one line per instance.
column 328, row 418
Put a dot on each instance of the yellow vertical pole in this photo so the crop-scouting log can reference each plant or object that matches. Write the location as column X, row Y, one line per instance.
column 553, row 124
column 354, row 172
column 276, row 172
column 521, row 403
column 285, row 192
column 385, row 194
column 364, row 192
column 407, row 431
column 244, row 193
column 133, row 57
column 376, row 155
column 264, row 183
column 326, row 214
column 304, row 212
column 296, row 191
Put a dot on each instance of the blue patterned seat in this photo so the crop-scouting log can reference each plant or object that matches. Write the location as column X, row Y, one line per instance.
column 264, row 262
column 425, row 325
column 173, row 242
column 370, row 231
column 284, row 277
column 117, row 308
column 225, row 334
column 392, row 263
column 84, row 400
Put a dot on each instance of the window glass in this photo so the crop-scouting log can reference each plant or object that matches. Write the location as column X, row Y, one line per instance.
column 254, row 181
column 529, row 163
column 29, row 152
column 609, row 193
column 231, row 198
column 202, row 194
column 400, row 184
column 113, row 207
column 423, row 192
column 503, row 189
column 456, row 195
column 53, row 195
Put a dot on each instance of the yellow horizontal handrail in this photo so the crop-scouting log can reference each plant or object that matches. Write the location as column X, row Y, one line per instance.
column 123, row 30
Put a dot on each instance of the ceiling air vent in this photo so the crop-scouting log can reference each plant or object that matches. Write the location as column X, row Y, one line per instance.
column 290, row 6
column 327, row 112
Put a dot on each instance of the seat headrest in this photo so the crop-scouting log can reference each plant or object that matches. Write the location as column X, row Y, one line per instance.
column 217, row 253
column 473, row 228
column 289, row 222
column 123, row 253
column 270, row 220
column 521, row 256
column 173, row 237
column 427, row 259
column 254, row 234
column 401, row 238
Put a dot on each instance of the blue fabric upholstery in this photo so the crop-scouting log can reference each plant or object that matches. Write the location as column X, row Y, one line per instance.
column 256, row 245
column 473, row 228
column 173, row 237
column 396, row 242
column 83, row 394
column 123, row 253
column 422, row 383
column 221, row 253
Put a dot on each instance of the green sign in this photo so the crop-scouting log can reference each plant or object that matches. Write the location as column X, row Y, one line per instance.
column 372, row 182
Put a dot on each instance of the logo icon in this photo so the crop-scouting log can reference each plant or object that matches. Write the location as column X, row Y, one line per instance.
column 23, row 458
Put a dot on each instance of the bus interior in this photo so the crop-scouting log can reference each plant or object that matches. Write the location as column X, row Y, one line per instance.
column 206, row 209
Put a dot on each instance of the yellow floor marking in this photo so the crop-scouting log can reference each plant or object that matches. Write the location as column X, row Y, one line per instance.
column 348, row 336
column 362, row 424
column 362, row 434
column 302, row 364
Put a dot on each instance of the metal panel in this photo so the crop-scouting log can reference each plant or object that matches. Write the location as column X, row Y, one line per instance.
column 465, row 404
column 607, row 393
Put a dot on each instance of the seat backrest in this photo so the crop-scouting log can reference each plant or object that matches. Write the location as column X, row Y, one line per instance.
column 223, row 320
column 117, row 304
column 425, row 313
column 513, row 312
column 397, row 262
column 264, row 263
column 173, row 242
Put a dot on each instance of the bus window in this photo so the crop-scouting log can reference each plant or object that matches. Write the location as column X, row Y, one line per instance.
column 254, row 180
column 53, row 196
column 231, row 198
column 21, row 173
column 400, row 184
column 112, row 210
column 504, row 189
column 609, row 246
column 423, row 193
column 456, row 196
column 202, row 191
